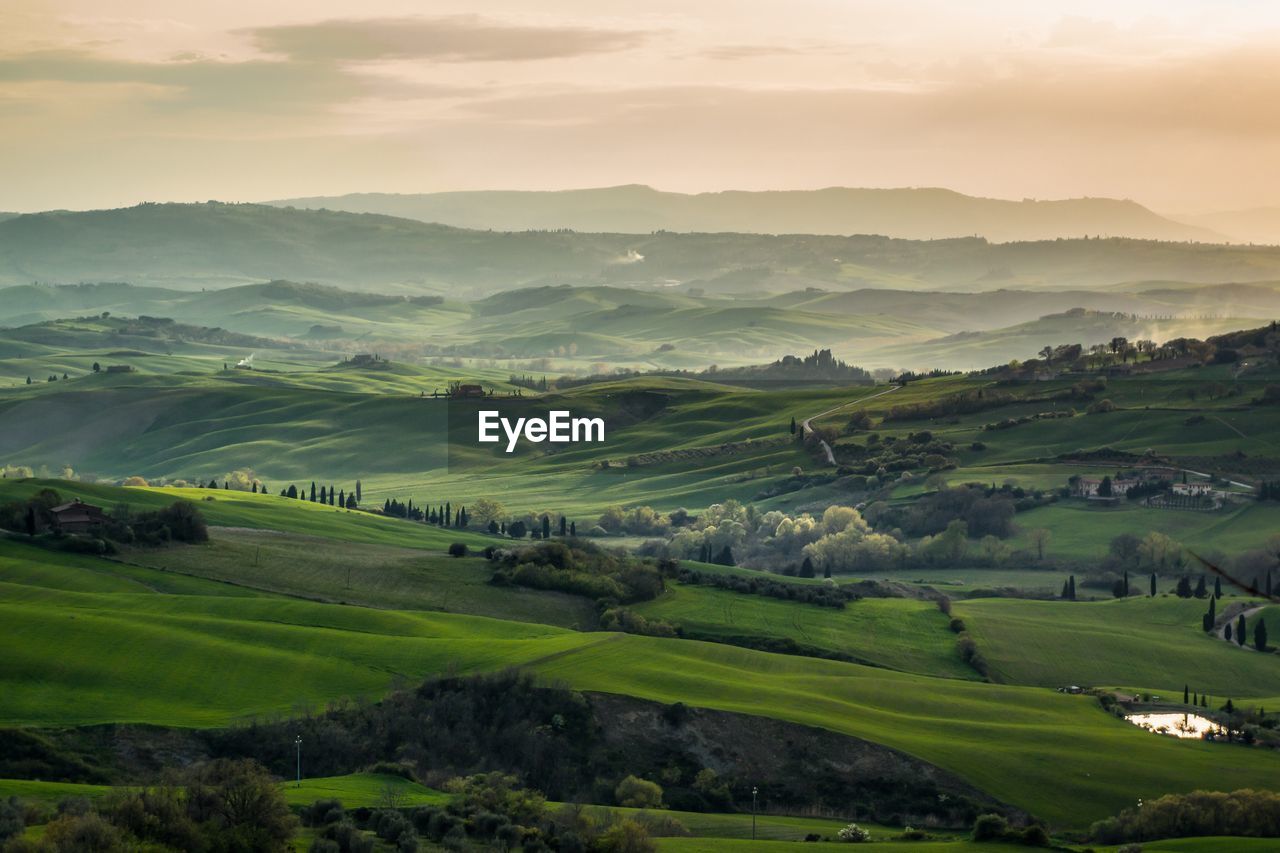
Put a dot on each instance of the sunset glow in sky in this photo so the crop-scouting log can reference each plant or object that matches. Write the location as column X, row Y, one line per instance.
column 110, row 102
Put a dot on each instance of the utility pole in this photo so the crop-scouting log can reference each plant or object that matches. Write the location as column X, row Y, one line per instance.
column 297, row 742
column 754, row 791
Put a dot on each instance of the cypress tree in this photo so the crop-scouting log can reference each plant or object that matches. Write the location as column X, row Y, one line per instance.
column 31, row 520
column 806, row 568
column 1217, row 587
column 330, row 494
column 564, row 526
column 226, row 486
column 254, row 487
column 1186, row 695
column 725, row 557
column 464, row 516
column 313, row 491
column 793, row 426
column 546, row 527
column 448, row 513
column 1066, row 590
column 358, row 491
column 1072, row 581
column 324, row 497
column 213, row 484
column 1226, row 632
column 1201, row 589
column 1153, row 584
column 263, row 488
column 1260, row 636
column 573, row 528
column 1204, row 701
column 826, row 571
column 342, row 497
column 1240, row 630
column 293, row 491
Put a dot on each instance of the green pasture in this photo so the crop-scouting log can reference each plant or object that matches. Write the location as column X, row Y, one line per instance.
column 368, row 575
column 85, row 657
column 899, row 633
column 1082, row 529
column 1152, row 643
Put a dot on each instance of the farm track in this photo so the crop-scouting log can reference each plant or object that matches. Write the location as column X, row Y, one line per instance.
column 806, row 426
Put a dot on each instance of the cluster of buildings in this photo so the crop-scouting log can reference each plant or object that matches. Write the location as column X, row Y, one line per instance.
column 1122, row 483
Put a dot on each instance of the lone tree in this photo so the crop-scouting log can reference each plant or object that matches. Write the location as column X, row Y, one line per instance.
column 1240, row 630
column 793, row 426
column 1040, row 538
column 1153, row 584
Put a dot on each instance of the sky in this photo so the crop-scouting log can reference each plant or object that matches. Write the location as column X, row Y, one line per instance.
column 106, row 103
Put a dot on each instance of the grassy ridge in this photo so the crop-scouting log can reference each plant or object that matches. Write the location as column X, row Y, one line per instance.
column 261, row 512
column 1155, row 643
column 367, row 575
column 899, row 633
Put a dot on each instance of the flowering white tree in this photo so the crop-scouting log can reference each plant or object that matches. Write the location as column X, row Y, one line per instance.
column 854, row 834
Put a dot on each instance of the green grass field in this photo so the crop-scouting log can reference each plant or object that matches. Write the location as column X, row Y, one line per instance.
column 225, row 658
column 898, row 633
column 1152, row 643
column 1082, row 530
column 368, row 575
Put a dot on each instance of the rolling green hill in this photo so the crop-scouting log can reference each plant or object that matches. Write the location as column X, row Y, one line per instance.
column 1149, row 643
column 223, row 658
column 905, row 634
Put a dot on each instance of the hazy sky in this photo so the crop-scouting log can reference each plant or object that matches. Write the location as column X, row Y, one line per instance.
column 103, row 103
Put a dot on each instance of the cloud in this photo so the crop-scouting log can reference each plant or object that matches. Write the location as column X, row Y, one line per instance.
column 194, row 81
column 457, row 38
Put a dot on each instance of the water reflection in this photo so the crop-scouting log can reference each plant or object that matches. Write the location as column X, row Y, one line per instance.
column 1178, row 725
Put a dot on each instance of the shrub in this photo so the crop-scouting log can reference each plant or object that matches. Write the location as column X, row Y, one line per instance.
column 990, row 827
column 1035, row 836
column 12, row 818
column 322, row 813
column 854, row 834
column 634, row 792
column 626, row 836
column 458, row 549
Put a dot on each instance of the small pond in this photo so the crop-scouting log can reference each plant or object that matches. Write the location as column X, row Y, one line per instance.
column 1178, row 725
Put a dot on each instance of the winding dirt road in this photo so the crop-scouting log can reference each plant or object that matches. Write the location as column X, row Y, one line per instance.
column 806, row 425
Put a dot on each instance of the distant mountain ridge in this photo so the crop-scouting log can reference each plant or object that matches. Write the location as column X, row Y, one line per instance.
column 214, row 245
column 909, row 213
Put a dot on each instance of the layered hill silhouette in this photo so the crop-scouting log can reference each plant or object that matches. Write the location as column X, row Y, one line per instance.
column 191, row 246
column 917, row 214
